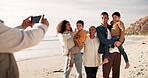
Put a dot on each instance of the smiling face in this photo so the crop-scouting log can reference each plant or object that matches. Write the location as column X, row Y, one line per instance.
column 79, row 26
column 104, row 19
column 92, row 30
column 68, row 27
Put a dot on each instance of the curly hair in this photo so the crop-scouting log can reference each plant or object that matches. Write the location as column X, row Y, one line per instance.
column 62, row 26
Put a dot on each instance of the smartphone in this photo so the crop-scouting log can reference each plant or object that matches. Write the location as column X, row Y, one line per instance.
column 35, row 19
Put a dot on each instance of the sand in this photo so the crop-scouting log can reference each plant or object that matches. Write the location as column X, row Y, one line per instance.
column 52, row 66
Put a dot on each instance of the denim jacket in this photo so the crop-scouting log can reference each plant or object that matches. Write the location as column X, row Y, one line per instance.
column 102, row 35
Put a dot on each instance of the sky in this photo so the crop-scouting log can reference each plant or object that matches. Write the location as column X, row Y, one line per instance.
column 13, row 12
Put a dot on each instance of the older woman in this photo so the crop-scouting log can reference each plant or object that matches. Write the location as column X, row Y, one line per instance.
column 65, row 36
column 91, row 58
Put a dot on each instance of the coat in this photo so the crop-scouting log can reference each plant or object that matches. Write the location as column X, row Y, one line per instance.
column 13, row 40
column 102, row 35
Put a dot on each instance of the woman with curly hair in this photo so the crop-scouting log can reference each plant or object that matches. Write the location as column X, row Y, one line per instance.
column 65, row 36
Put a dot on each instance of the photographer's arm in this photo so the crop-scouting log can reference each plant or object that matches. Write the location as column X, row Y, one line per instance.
column 14, row 40
column 19, row 27
column 26, row 23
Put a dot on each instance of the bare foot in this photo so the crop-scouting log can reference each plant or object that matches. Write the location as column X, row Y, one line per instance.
column 127, row 65
column 105, row 61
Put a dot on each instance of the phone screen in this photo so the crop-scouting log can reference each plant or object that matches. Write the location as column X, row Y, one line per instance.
column 35, row 19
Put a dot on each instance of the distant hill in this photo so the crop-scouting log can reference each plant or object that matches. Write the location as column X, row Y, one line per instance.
column 140, row 27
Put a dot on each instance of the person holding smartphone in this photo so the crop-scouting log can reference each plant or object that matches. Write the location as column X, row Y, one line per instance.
column 13, row 40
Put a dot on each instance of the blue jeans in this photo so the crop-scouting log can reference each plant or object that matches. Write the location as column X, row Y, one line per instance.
column 78, row 65
column 120, row 48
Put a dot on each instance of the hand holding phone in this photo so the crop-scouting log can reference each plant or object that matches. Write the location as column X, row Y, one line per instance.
column 39, row 19
column 26, row 22
column 44, row 21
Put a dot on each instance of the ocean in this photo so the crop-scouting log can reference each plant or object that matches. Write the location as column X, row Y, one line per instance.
column 49, row 46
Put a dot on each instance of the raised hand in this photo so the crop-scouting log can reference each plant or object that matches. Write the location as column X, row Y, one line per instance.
column 44, row 21
column 73, row 33
column 27, row 23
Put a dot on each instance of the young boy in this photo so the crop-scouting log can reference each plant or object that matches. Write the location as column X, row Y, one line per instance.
column 79, row 39
column 117, row 32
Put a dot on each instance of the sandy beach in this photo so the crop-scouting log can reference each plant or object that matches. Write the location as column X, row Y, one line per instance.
column 52, row 66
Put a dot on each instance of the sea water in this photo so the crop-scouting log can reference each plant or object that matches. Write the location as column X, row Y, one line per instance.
column 49, row 46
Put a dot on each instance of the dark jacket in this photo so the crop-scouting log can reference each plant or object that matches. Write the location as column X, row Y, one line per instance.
column 102, row 35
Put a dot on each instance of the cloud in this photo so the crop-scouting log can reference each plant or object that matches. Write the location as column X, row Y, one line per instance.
column 72, row 10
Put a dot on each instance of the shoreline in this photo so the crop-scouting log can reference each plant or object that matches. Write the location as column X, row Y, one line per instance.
column 52, row 66
column 128, row 41
column 34, row 58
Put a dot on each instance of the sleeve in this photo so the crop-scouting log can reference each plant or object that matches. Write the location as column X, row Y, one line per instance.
column 122, row 28
column 82, row 37
column 102, row 38
column 19, row 27
column 15, row 40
